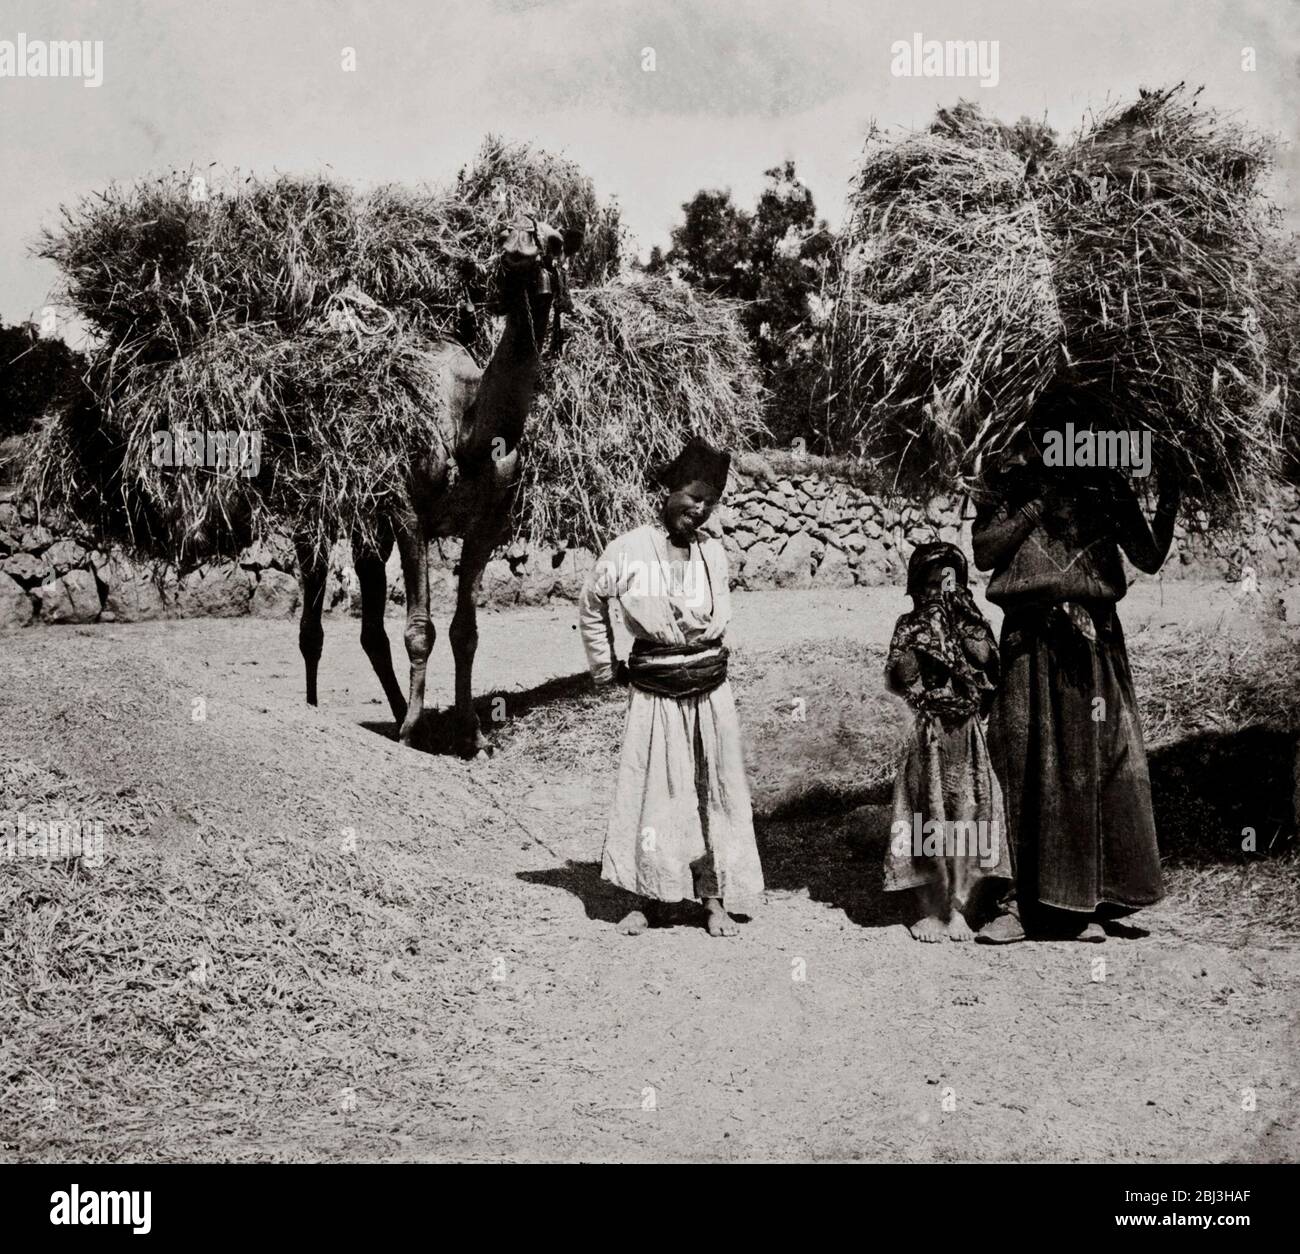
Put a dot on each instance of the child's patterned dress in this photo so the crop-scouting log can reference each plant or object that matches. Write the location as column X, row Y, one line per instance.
column 944, row 772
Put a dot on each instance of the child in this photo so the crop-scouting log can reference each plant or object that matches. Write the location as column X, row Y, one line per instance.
column 948, row 829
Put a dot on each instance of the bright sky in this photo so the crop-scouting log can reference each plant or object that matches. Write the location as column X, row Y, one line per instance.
column 738, row 85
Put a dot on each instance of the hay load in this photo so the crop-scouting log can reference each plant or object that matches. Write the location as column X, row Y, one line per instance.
column 306, row 316
column 431, row 251
column 155, row 265
column 1123, row 284
column 1161, row 234
column 946, row 313
column 645, row 361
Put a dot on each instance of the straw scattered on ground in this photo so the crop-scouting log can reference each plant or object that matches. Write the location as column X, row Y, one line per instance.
column 238, row 981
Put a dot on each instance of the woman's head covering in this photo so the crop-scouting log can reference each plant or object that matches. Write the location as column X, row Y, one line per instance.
column 698, row 462
column 925, row 557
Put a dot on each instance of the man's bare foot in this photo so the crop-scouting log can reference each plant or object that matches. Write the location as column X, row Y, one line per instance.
column 633, row 924
column 1004, row 930
column 958, row 928
column 929, row 929
column 719, row 922
column 1093, row 934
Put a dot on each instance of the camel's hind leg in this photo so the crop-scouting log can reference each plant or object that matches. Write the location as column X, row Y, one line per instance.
column 369, row 563
column 312, row 569
column 413, row 548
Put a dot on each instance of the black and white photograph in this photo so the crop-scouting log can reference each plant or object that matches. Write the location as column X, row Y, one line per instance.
column 643, row 582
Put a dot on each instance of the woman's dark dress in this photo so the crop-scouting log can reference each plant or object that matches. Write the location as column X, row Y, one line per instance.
column 1064, row 734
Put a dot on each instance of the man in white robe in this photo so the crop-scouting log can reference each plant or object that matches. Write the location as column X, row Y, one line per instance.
column 681, row 826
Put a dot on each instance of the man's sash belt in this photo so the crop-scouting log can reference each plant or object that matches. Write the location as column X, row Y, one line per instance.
column 677, row 670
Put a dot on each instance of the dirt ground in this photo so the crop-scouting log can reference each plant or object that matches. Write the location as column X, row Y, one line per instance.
column 823, row 1032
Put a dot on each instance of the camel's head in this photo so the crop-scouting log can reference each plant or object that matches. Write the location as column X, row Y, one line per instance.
column 532, row 266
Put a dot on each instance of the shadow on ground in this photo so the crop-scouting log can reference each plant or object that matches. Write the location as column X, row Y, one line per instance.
column 1207, row 789
column 835, row 859
column 437, row 731
column 606, row 903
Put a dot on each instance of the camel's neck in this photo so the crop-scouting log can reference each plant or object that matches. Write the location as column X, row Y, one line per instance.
column 509, row 380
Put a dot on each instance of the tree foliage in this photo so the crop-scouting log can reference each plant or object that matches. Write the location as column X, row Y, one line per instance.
column 35, row 376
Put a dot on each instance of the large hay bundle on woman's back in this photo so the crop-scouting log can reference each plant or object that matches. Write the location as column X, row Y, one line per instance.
column 945, row 312
column 1150, row 240
column 1161, row 241
column 646, row 363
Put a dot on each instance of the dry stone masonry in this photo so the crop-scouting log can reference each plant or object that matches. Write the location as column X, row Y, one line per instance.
column 787, row 528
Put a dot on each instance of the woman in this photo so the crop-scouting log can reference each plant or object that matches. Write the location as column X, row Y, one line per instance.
column 681, row 826
column 1064, row 732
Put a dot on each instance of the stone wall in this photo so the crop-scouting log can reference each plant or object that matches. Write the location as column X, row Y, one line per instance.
column 789, row 527
column 812, row 529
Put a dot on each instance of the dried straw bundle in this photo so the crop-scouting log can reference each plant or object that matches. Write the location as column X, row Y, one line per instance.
column 334, row 415
column 153, row 269
column 1130, row 284
column 646, row 363
column 432, row 251
column 312, row 316
column 1161, row 242
column 945, row 312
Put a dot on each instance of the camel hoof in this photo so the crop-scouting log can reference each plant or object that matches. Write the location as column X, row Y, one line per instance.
column 474, row 745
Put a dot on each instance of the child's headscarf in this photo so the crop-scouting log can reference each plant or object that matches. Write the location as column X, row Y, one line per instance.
column 925, row 557
column 934, row 632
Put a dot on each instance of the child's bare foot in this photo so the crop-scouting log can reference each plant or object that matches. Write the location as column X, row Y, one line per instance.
column 719, row 922
column 633, row 924
column 958, row 928
column 929, row 929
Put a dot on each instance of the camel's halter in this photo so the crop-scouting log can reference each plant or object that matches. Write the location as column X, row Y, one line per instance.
column 551, row 281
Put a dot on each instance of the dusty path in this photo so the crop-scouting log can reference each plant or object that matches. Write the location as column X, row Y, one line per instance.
column 822, row 1033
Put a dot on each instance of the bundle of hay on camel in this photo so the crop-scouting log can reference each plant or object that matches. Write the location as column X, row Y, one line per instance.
column 1127, row 280
column 382, row 355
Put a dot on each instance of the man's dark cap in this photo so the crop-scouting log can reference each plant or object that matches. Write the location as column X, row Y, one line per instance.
column 698, row 462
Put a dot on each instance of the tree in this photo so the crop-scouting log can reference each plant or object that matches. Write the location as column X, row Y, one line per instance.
column 35, row 376
column 710, row 250
column 775, row 260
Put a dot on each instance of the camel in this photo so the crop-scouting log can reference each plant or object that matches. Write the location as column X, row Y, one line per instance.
column 468, row 492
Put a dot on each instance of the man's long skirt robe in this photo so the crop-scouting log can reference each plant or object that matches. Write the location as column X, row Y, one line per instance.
column 681, row 825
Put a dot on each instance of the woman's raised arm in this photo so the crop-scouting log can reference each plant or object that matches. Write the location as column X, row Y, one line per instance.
column 1000, row 530
column 1147, row 543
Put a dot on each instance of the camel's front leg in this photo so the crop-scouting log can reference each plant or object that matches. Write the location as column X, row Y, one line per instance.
column 312, row 571
column 413, row 549
column 474, row 556
column 477, row 549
